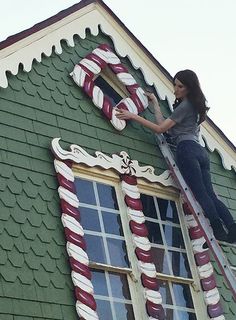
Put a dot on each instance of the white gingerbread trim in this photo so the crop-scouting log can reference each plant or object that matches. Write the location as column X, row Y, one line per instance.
column 214, row 142
column 120, row 163
column 91, row 17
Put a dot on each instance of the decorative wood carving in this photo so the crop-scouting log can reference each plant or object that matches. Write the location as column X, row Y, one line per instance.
column 121, row 163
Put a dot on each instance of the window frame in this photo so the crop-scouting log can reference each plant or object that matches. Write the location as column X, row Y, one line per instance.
column 111, row 178
column 111, row 168
column 135, row 286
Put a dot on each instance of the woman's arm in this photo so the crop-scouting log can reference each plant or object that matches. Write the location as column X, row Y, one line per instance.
column 158, row 128
column 156, row 107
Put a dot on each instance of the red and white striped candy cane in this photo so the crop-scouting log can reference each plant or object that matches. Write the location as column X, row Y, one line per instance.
column 204, row 267
column 83, row 75
column 76, row 247
column 142, row 248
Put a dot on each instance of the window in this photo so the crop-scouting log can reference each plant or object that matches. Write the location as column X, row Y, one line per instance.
column 117, row 287
column 107, row 81
column 108, row 90
column 106, row 248
column 170, row 257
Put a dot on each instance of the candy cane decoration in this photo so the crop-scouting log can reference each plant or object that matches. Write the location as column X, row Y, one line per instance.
column 142, row 248
column 204, row 266
column 84, row 73
column 81, row 275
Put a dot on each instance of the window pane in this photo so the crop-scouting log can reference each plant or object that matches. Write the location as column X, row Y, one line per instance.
column 84, row 191
column 99, row 283
column 104, row 309
column 171, row 314
column 117, row 252
column 168, row 210
column 124, row 311
column 182, row 295
column 112, row 223
column 107, row 196
column 95, row 248
column 184, row 315
column 180, row 265
column 108, row 90
column 165, row 292
column 149, row 208
column 89, row 219
column 154, row 232
column 173, row 236
column 160, row 260
column 119, row 286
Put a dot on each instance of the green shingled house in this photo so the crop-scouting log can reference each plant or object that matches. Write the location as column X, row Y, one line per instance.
column 91, row 222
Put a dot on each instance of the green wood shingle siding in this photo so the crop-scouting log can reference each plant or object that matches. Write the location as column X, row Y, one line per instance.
column 37, row 106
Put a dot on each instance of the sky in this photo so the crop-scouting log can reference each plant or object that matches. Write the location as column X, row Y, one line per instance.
column 185, row 34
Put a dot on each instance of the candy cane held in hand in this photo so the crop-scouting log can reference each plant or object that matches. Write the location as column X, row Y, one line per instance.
column 84, row 73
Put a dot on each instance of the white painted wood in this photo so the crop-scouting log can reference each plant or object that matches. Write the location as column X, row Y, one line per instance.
column 121, row 163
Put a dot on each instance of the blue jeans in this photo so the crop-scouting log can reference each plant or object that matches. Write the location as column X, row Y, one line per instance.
column 194, row 165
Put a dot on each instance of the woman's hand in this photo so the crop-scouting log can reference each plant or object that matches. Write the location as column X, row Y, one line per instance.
column 123, row 114
column 151, row 97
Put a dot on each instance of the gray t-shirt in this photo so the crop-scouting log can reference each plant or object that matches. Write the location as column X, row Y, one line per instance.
column 186, row 128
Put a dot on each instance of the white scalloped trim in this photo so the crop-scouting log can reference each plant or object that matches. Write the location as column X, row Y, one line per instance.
column 91, row 17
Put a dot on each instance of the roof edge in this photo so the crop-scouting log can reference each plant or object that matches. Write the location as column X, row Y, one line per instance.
column 64, row 13
column 45, row 23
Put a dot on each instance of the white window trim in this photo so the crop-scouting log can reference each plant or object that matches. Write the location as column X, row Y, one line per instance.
column 124, row 165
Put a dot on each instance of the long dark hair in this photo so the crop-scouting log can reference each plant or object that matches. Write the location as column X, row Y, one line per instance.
column 195, row 95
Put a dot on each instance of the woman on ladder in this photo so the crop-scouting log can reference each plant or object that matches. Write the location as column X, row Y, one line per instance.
column 192, row 159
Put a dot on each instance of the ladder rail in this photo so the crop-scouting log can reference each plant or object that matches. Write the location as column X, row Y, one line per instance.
column 197, row 211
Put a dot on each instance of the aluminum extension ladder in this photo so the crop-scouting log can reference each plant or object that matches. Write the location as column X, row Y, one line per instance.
column 197, row 212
